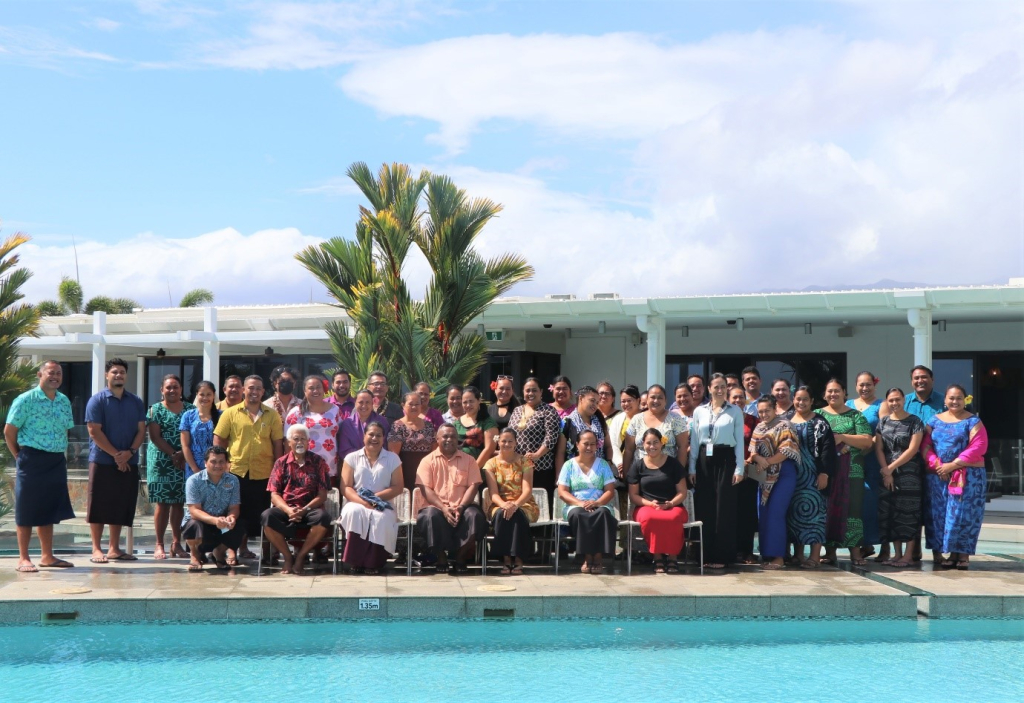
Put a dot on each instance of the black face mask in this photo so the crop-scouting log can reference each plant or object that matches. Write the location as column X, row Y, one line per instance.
column 285, row 387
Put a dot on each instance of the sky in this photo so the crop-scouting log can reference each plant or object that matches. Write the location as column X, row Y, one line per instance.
column 641, row 148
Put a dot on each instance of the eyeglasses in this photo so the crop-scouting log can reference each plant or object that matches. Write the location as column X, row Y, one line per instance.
column 377, row 384
column 606, row 394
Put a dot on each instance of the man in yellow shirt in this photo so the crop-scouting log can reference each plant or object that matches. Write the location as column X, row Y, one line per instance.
column 232, row 393
column 252, row 434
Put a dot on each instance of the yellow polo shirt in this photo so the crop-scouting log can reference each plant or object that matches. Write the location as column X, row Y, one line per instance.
column 250, row 444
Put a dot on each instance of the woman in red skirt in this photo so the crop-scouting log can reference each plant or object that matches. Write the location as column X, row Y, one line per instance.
column 657, row 487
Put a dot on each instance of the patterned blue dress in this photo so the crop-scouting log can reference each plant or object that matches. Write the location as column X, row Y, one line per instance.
column 200, row 436
column 954, row 522
column 872, row 477
column 805, row 520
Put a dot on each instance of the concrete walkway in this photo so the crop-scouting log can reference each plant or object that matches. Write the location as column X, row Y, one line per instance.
column 165, row 590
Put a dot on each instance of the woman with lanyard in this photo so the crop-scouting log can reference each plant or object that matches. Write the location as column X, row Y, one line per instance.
column 716, row 466
column 505, row 402
column 585, row 417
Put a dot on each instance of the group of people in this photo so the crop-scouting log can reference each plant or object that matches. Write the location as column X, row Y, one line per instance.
column 852, row 474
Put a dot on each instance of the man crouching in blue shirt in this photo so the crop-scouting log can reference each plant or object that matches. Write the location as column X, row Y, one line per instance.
column 212, row 499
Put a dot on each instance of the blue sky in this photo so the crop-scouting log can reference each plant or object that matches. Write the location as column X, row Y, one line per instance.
column 644, row 148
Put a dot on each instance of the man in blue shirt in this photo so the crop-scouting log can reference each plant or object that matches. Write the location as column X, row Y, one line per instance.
column 924, row 401
column 37, row 435
column 116, row 420
column 751, row 378
column 212, row 503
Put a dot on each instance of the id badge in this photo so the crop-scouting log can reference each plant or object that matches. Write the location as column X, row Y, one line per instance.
column 710, row 449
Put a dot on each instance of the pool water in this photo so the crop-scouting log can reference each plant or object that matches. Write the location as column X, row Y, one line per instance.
column 552, row 660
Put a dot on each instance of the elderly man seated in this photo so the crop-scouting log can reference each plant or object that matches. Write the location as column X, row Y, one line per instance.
column 298, row 487
column 451, row 521
column 212, row 501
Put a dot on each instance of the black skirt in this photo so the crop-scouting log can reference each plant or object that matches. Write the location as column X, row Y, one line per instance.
column 714, row 503
column 113, row 495
column 512, row 536
column 41, row 488
column 594, row 530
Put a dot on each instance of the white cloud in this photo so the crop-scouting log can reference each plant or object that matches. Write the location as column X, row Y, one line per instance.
column 36, row 48
column 103, row 24
column 255, row 268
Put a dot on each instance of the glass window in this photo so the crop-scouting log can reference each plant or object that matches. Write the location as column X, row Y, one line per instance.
column 954, row 371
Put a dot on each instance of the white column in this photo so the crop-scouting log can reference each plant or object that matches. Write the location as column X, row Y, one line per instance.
column 99, row 352
column 921, row 320
column 654, row 328
column 211, row 349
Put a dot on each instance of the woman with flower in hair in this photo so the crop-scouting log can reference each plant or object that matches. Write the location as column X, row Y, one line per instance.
column 872, row 408
column 505, row 402
column 954, row 453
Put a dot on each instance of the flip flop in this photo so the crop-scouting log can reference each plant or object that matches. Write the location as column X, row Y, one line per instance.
column 810, row 564
column 771, row 567
column 125, row 556
column 516, row 571
column 26, row 569
column 59, row 564
column 195, row 566
column 99, row 560
column 672, row 567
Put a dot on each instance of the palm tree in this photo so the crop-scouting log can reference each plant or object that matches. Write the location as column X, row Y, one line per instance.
column 17, row 320
column 70, row 297
column 195, row 298
column 412, row 340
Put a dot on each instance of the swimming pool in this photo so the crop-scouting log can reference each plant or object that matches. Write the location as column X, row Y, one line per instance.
column 542, row 660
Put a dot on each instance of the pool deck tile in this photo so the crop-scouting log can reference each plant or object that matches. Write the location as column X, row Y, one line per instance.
column 151, row 590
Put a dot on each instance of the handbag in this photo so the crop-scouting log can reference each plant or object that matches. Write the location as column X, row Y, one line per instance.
column 751, row 471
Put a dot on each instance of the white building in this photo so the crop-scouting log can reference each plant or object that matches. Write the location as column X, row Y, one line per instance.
column 973, row 335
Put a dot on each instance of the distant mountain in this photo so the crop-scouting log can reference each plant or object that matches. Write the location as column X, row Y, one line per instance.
column 885, row 283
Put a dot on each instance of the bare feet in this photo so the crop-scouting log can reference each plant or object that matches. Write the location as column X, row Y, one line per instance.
column 177, row 552
column 158, row 552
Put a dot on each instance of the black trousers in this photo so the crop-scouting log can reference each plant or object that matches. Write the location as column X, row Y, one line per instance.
column 441, row 536
column 714, row 501
column 747, row 496
column 277, row 520
column 255, row 499
column 210, row 537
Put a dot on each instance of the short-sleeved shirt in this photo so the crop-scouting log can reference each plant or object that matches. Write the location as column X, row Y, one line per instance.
column 391, row 411
column 585, row 486
column 896, row 435
column 323, row 432
column 298, row 484
column 448, row 478
column 345, row 408
column 250, row 444
column 200, row 436
column 474, row 439
column 213, row 498
column 119, row 419
column 275, row 404
column 657, row 484
column 671, row 426
column 927, row 409
column 42, row 423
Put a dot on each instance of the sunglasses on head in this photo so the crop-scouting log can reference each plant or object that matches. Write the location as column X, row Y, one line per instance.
column 505, row 378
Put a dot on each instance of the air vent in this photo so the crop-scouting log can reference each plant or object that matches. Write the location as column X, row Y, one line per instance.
column 560, row 296
column 604, row 296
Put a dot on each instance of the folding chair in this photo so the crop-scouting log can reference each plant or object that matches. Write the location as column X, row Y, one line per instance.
column 540, row 497
column 558, row 521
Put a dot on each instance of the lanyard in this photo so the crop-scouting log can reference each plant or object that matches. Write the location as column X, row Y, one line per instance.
column 714, row 418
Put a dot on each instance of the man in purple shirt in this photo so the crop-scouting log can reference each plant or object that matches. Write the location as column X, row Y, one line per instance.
column 341, row 384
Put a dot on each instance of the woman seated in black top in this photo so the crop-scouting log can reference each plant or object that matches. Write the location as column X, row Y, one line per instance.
column 657, row 487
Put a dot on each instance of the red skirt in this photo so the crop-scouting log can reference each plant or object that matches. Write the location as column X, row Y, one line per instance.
column 662, row 529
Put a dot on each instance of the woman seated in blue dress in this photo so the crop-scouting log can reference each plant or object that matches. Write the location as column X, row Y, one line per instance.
column 587, row 487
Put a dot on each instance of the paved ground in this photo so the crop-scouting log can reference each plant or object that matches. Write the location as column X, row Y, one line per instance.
column 165, row 590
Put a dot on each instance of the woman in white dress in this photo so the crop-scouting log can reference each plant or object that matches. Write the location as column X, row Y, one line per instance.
column 371, row 533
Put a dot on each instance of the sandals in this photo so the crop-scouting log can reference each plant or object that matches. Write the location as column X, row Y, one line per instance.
column 441, row 568
column 659, row 566
column 194, row 566
column 899, row 564
column 769, row 566
column 58, row 564
column 671, row 567
column 963, row 565
column 858, row 562
column 596, row 569
column 810, row 564
column 517, row 570
column 506, row 570
column 947, row 564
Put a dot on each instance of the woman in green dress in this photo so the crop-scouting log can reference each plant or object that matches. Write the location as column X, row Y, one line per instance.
column 844, row 523
column 165, row 466
column 478, row 432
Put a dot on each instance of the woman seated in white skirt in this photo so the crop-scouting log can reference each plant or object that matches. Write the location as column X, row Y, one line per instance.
column 370, row 532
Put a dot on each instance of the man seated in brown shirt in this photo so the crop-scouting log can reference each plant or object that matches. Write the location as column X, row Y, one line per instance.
column 451, row 521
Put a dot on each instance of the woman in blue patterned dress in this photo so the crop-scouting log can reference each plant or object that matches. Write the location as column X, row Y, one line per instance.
column 871, row 407
column 196, row 427
column 954, row 453
column 805, row 520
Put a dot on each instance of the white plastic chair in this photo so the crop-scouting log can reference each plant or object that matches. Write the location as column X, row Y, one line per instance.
column 556, row 517
column 330, row 505
column 401, row 504
column 688, row 506
column 544, row 519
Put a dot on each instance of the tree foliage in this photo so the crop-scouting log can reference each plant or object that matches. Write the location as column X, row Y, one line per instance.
column 197, row 297
column 71, row 301
column 412, row 340
column 17, row 320
column 111, row 306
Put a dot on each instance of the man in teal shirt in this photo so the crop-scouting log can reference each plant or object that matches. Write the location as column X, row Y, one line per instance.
column 924, row 401
column 37, row 436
